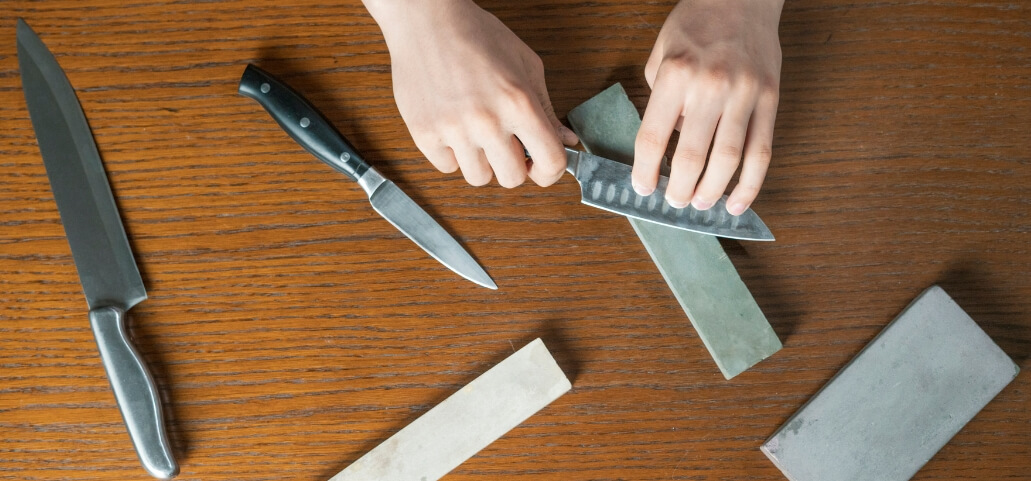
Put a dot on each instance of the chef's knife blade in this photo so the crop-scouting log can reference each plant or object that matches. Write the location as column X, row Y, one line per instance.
column 605, row 184
column 308, row 127
column 103, row 259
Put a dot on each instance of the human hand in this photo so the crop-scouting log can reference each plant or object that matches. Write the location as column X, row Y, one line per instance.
column 715, row 76
column 471, row 92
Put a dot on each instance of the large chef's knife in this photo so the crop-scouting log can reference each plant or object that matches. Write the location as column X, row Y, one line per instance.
column 107, row 271
column 310, row 128
column 605, row 184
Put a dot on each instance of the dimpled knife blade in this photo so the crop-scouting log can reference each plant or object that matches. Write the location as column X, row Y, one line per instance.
column 605, row 184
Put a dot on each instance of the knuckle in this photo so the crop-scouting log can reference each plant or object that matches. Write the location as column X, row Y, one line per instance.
column 444, row 163
column 748, row 191
column 512, row 180
column 762, row 156
column 650, row 138
column 481, row 120
column 519, row 100
column 678, row 65
column 690, row 157
column 536, row 63
column 720, row 74
column 545, row 181
column 477, row 179
column 550, row 170
column 446, row 126
column 729, row 151
column 769, row 87
column 650, row 70
column 419, row 131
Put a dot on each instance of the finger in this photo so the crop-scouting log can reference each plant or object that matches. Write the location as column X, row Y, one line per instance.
column 505, row 156
column 692, row 148
column 651, row 67
column 725, row 157
column 660, row 116
column 536, row 130
column 565, row 135
column 540, row 90
column 441, row 156
column 473, row 162
column 758, row 152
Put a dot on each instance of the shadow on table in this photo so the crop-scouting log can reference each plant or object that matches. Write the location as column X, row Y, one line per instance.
column 982, row 296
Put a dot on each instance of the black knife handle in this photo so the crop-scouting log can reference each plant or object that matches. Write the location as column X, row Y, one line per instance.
column 135, row 392
column 302, row 121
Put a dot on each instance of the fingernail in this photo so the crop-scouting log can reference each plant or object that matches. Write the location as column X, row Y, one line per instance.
column 641, row 190
column 676, row 204
column 701, row 204
column 737, row 208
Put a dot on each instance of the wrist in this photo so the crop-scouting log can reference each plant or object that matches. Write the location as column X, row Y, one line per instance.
column 402, row 15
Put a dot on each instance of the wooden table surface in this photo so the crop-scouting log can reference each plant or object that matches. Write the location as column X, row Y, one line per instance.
column 291, row 329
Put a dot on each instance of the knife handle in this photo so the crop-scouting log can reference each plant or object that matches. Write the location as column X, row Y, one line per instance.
column 135, row 392
column 302, row 121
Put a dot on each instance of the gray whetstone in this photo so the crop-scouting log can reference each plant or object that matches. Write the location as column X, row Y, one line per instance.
column 467, row 421
column 887, row 412
column 702, row 278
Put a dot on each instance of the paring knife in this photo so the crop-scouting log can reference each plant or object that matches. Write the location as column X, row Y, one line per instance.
column 310, row 128
column 605, row 184
column 107, row 271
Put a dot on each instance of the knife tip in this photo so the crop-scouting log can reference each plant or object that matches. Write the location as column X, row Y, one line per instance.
column 23, row 27
column 489, row 284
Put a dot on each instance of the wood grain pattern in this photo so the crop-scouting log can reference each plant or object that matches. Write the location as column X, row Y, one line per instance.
column 291, row 329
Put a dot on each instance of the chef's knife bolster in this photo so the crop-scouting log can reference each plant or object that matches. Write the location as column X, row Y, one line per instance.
column 135, row 392
column 308, row 126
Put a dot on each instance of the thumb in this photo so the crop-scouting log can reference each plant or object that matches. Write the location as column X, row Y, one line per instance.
column 567, row 136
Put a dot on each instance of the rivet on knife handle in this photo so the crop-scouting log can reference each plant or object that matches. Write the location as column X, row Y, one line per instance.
column 135, row 391
column 302, row 121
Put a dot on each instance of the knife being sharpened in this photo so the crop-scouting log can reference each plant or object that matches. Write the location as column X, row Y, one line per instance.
column 605, row 184
column 310, row 128
column 103, row 259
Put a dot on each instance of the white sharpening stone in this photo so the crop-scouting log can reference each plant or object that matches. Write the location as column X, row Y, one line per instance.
column 909, row 391
column 468, row 421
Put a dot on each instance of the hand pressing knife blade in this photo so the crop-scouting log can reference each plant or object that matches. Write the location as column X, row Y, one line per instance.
column 310, row 128
column 605, row 184
column 107, row 271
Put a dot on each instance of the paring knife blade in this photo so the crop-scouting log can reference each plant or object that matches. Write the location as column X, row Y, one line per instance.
column 308, row 127
column 103, row 259
column 605, row 184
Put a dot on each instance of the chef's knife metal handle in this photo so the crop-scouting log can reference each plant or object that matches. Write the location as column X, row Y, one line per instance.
column 135, row 391
column 302, row 121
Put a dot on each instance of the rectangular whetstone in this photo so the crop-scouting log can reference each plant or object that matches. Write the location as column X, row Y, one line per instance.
column 467, row 421
column 695, row 267
column 887, row 412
